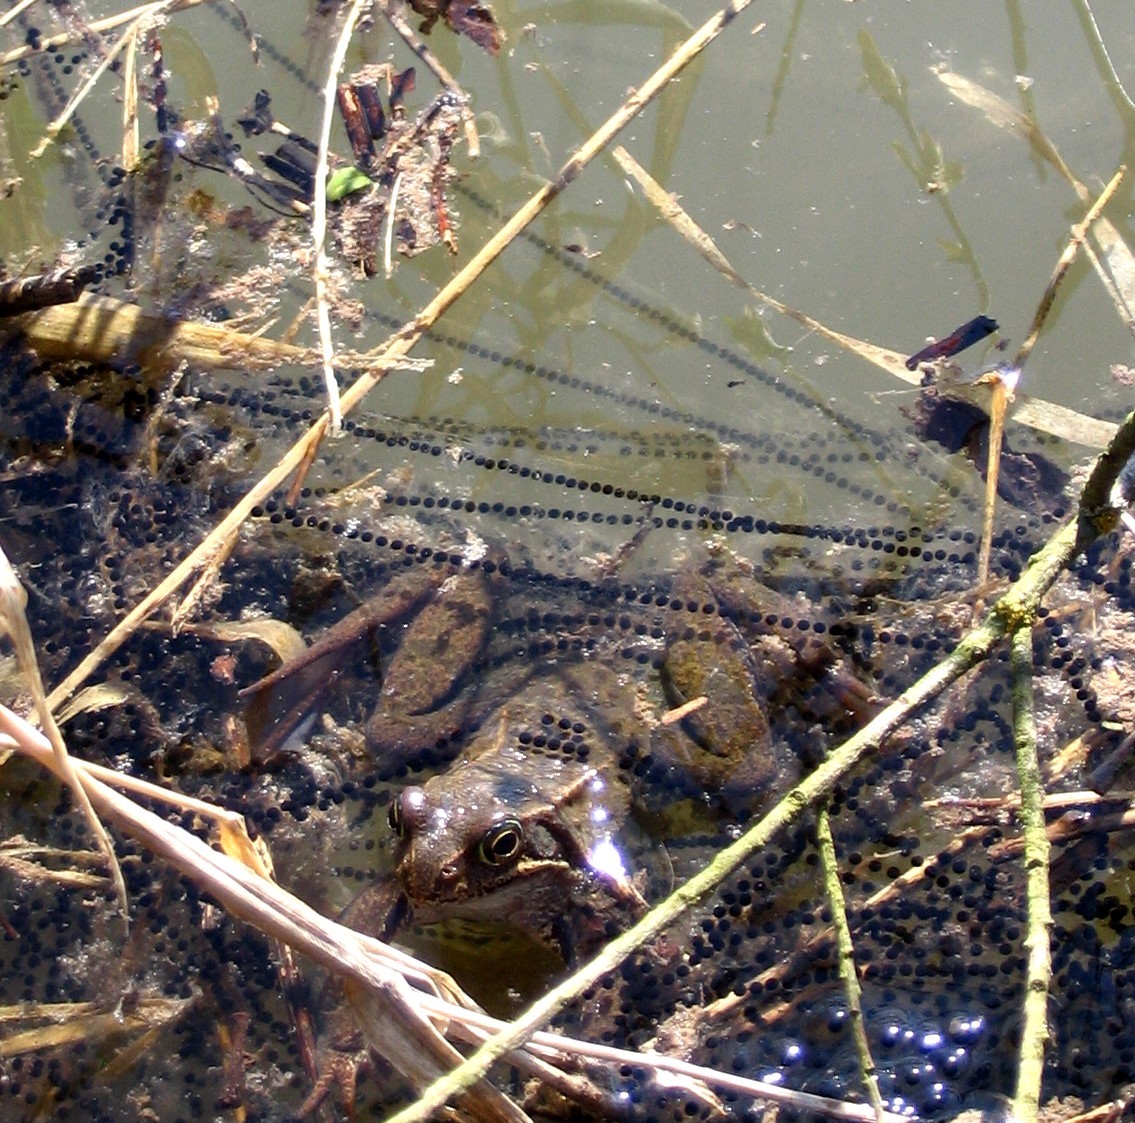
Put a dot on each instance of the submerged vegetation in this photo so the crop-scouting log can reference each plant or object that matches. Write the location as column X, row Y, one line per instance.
column 752, row 758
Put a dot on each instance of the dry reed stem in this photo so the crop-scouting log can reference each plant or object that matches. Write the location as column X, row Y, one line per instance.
column 131, row 133
column 84, row 1023
column 1076, row 240
column 1015, row 608
column 103, row 329
column 13, row 620
column 1002, row 385
column 845, row 950
column 321, row 267
column 18, row 10
column 1034, row 1028
column 1046, row 417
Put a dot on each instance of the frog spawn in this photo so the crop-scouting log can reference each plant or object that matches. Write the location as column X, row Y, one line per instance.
column 716, row 962
column 763, row 913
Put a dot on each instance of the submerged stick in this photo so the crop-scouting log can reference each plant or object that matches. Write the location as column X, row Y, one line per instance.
column 1034, row 1030
column 28, row 294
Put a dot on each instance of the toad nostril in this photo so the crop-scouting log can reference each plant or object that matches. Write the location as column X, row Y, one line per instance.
column 449, row 873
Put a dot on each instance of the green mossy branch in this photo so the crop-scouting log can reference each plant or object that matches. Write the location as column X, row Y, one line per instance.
column 1034, row 1030
column 846, row 949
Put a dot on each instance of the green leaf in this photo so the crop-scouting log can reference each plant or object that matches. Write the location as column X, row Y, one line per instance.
column 344, row 182
column 880, row 75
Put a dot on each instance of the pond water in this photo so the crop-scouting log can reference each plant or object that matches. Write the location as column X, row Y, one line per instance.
column 605, row 415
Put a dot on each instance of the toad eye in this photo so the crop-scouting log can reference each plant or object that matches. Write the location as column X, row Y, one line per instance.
column 501, row 843
column 394, row 816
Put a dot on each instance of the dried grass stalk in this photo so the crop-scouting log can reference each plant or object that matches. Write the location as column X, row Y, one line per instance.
column 13, row 618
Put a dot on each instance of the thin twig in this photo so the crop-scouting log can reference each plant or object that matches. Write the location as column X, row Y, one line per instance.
column 846, row 952
column 320, row 264
column 1034, row 1028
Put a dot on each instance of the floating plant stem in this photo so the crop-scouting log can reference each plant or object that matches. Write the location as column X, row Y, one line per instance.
column 846, row 952
column 890, row 361
column 1034, row 1029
